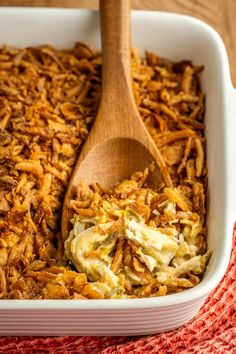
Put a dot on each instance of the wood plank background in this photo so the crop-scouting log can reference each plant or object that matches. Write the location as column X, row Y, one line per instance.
column 220, row 14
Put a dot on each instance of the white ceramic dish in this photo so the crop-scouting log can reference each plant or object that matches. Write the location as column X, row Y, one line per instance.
column 176, row 37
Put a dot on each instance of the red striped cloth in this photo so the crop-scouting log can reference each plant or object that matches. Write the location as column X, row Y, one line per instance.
column 213, row 330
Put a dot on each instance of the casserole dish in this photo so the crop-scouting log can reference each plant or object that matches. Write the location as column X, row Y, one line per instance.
column 180, row 38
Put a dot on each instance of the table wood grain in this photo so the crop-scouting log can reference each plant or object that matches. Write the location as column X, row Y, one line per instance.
column 220, row 14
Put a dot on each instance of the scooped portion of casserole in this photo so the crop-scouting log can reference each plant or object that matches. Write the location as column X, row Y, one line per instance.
column 141, row 239
column 132, row 241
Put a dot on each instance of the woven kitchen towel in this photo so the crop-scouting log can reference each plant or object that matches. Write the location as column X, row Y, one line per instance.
column 213, row 330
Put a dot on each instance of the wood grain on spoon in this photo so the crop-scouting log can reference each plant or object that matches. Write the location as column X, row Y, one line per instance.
column 119, row 143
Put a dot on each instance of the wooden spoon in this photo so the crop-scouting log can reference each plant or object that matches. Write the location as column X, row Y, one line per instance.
column 119, row 143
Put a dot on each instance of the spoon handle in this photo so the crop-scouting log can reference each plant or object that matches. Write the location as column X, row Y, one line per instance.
column 116, row 61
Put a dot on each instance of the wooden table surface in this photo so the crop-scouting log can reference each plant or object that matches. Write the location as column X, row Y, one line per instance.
column 220, row 14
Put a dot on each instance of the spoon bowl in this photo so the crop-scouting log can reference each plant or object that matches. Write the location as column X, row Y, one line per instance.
column 122, row 156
